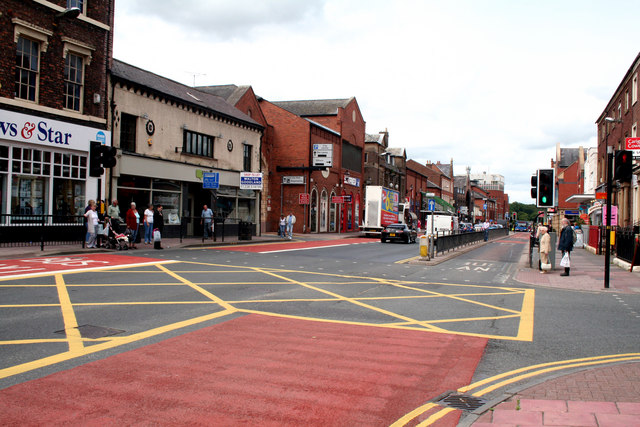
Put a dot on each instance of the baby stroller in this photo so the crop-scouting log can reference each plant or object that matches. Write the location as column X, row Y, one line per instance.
column 114, row 240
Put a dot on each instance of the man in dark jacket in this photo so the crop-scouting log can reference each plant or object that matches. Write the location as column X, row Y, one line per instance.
column 565, row 243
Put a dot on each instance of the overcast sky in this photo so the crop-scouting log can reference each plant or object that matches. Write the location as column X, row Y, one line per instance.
column 493, row 84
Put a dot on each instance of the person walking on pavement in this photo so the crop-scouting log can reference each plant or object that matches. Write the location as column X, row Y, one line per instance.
column 133, row 224
column 283, row 226
column 485, row 228
column 148, row 225
column 206, row 218
column 545, row 248
column 92, row 224
column 291, row 219
column 565, row 244
column 158, row 224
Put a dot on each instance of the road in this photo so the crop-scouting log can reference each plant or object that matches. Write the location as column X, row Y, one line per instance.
column 349, row 308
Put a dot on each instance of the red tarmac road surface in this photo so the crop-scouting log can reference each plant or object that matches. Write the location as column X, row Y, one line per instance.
column 66, row 263
column 290, row 245
column 255, row 369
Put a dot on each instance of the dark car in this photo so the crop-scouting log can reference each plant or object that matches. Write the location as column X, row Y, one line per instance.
column 398, row 232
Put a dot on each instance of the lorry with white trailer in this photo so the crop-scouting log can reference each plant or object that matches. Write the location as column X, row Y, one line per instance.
column 381, row 205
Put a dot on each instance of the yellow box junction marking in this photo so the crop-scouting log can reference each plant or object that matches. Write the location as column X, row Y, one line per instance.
column 417, row 290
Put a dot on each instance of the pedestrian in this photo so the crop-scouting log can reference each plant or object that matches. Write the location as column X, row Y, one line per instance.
column 206, row 219
column 158, row 225
column 283, row 226
column 92, row 223
column 133, row 224
column 86, row 222
column 291, row 219
column 148, row 225
column 113, row 211
column 545, row 248
column 485, row 228
column 565, row 244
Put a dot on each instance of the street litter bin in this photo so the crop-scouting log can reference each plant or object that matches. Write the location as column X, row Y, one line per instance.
column 244, row 230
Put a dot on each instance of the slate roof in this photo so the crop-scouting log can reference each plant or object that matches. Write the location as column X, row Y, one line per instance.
column 179, row 92
column 378, row 137
column 569, row 156
column 231, row 93
column 314, row 107
column 445, row 168
column 396, row 152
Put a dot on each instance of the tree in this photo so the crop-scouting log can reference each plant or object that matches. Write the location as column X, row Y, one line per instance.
column 524, row 212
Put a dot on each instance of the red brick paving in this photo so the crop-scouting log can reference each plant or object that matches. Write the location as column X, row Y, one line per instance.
column 255, row 369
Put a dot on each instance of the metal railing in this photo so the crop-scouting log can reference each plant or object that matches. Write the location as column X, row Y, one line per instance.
column 41, row 230
column 448, row 242
column 222, row 226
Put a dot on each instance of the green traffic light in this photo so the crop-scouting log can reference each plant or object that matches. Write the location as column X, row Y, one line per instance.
column 544, row 199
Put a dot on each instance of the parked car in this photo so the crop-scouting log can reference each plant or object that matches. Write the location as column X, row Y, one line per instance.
column 398, row 232
column 466, row 227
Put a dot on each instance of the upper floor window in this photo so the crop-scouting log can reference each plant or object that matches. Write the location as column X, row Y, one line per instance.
column 73, row 82
column 76, row 3
column 128, row 125
column 27, row 68
column 246, row 158
column 634, row 89
column 197, row 144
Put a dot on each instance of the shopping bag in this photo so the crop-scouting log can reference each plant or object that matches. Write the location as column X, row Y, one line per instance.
column 156, row 235
column 545, row 267
column 565, row 262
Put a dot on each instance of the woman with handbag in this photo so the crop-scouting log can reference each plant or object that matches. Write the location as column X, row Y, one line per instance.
column 545, row 248
column 565, row 244
column 133, row 224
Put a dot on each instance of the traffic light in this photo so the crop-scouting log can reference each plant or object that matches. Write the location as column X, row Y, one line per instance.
column 100, row 157
column 546, row 188
column 622, row 169
column 534, row 187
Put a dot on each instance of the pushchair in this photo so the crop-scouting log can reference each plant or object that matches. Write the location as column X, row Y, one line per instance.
column 113, row 239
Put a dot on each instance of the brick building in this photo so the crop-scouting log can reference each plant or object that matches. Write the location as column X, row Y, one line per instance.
column 569, row 169
column 618, row 121
column 53, row 102
column 293, row 154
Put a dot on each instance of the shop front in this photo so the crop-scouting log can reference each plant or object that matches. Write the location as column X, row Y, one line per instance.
column 44, row 167
column 180, row 190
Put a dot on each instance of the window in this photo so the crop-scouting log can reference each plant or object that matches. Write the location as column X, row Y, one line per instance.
column 128, row 125
column 197, row 144
column 634, row 89
column 76, row 3
column 27, row 67
column 246, row 158
column 73, row 82
column 626, row 101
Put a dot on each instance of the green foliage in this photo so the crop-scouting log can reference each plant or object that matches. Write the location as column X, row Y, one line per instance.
column 524, row 212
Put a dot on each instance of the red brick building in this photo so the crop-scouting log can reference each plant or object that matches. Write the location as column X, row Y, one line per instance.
column 569, row 169
column 53, row 103
column 298, row 125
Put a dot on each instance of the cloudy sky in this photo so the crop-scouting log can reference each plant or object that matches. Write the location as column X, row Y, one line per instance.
column 493, row 84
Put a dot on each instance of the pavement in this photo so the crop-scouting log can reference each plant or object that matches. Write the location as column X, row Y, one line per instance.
column 593, row 396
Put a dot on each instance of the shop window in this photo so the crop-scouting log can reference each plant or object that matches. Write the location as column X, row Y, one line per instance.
column 332, row 214
column 128, row 124
column 28, row 196
column 197, row 144
column 69, row 197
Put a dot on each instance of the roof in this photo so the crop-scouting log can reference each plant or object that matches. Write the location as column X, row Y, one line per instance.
column 446, row 169
column 178, row 91
column 568, row 156
column 231, row 93
column 378, row 137
column 314, row 107
column 396, row 152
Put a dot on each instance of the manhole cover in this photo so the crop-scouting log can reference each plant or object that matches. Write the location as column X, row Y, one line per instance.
column 90, row 331
column 462, row 401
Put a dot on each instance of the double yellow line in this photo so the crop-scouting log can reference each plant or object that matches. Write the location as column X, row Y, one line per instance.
column 502, row 380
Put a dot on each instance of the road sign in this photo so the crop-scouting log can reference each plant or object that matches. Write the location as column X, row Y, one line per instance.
column 211, row 180
column 337, row 199
column 294, row 180
column 323, row 155
column 303, row 198
column 432, row 204
column 601, row 196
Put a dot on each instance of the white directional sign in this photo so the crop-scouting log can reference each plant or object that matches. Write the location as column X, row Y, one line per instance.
column 293, row 180
column 323, row 155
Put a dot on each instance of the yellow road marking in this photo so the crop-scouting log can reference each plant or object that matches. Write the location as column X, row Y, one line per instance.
column 204, row 292
column 69, row 317
column 61, row 357
column 536, row 370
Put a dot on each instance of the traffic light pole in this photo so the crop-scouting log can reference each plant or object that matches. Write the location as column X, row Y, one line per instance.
column 607, row 238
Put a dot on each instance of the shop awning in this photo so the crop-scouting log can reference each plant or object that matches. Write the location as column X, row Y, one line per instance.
column 580, row 198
